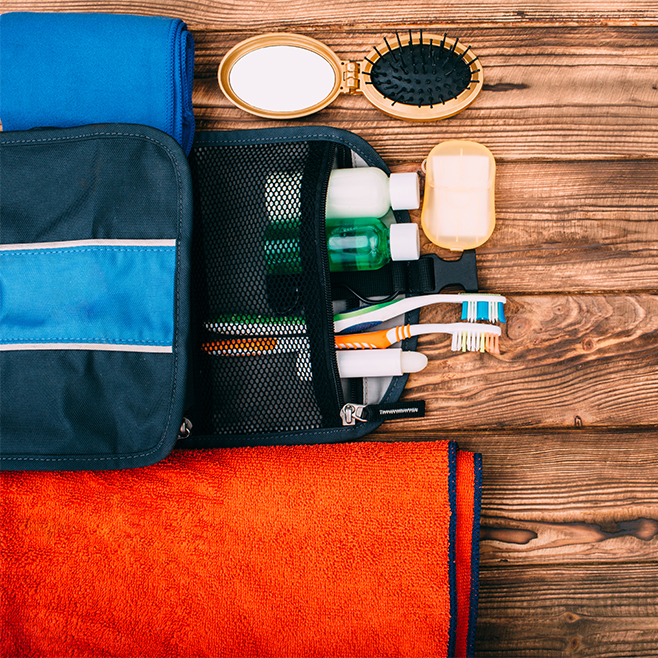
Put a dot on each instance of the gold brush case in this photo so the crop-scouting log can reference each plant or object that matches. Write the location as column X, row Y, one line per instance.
column 348, row 77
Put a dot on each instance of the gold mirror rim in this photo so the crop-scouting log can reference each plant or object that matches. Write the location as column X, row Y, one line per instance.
column 277, row 39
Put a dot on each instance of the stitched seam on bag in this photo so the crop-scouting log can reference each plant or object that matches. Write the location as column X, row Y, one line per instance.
column 172, row 159
column 44, row 251
column 171, row 109
column 290, row 138
column 69, row 138
column 77, row 340
column 322, row 431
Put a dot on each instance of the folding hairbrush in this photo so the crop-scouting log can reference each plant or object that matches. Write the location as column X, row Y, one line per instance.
column 423, row 74
column 418, row 77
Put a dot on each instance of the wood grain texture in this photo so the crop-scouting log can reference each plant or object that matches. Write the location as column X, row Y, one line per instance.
column 566, row 497
column 550, row 93
column 586, row 227
column 565, row 362
column 262, row 15
column 593, row 611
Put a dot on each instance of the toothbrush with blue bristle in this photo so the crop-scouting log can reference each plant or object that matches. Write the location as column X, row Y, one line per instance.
column 476, row 307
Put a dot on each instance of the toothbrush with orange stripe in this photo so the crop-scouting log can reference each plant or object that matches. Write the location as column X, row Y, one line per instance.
column 256, row 345
column 466, row 337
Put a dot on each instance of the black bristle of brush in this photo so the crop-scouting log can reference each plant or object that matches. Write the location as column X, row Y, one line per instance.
column 421, row 74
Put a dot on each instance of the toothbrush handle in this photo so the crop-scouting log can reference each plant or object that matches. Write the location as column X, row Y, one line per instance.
column 372, row 339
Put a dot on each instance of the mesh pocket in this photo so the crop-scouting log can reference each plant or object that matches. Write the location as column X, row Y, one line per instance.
column 264, row 345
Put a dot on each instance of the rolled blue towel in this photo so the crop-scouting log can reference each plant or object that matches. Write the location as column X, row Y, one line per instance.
column 64, row 70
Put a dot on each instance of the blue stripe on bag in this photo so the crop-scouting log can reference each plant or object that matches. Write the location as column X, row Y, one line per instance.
column 100, row 294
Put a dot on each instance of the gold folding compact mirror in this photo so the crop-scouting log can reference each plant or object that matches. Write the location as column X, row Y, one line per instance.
column 285, row 76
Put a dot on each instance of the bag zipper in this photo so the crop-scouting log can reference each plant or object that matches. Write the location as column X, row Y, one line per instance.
column 326, row 283
column 351, row 414
column 185, row 429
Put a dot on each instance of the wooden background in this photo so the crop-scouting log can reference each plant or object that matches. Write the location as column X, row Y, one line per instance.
column 566, row 417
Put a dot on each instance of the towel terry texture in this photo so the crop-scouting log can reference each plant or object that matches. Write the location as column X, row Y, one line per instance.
column 64, row 70
column 354, row 550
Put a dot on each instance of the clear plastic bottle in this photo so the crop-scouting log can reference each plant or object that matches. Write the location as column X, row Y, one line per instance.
column 369, row 192
column 361, row 243
column 364, row 243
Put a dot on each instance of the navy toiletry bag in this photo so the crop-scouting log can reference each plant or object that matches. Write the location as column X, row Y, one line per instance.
column 139, row 305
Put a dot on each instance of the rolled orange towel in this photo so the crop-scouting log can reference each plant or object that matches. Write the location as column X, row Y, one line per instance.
column 362, row 549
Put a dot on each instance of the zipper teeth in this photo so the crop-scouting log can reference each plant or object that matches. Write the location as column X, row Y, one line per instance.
column 329, row 316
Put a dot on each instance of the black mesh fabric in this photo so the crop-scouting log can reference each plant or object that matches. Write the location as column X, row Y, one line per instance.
column 263, row 353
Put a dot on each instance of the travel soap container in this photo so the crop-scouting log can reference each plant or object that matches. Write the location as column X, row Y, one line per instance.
column 458, row 206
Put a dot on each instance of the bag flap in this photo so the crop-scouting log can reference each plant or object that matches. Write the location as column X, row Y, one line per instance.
column 94, row 296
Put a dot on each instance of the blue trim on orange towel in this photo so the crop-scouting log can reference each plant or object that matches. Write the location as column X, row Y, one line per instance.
column 452, row 557
column 475, row 554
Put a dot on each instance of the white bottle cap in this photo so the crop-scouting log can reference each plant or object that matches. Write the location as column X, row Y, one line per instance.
column 404, row 190
column 405, row 241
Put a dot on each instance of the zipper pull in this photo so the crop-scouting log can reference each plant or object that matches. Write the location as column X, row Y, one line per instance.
column 185, row 429
column 351, row 413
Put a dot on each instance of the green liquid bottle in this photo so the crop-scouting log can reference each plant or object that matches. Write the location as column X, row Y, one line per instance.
column 281, row 247
column 364, row 243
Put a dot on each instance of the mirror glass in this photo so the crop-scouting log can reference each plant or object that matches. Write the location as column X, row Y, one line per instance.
column 282, row 78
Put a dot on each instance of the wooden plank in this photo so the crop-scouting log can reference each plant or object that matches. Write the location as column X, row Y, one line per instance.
column 262, row 15
column 584, row 227
column 598, row 611
column 536, row 543
column 565, row 497
column 550, row 93
column 566, row 361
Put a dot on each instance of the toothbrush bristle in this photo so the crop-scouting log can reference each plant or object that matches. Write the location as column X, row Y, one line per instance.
column 488, row 311
column 468, row 340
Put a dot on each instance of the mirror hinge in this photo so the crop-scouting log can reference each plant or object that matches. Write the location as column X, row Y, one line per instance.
column 351, row 72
